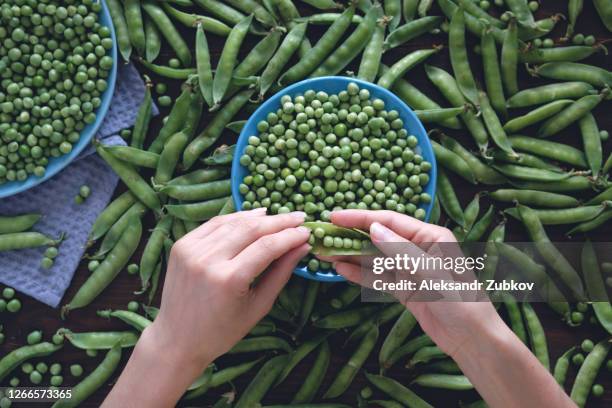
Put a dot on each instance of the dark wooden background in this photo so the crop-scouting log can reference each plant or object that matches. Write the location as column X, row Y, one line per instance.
column 560, row 336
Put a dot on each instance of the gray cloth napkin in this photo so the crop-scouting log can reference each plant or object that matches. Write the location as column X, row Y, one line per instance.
column 54, row 199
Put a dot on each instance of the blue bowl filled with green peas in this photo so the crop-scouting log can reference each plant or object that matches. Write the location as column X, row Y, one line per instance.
column 50, row 112
column 334, row 142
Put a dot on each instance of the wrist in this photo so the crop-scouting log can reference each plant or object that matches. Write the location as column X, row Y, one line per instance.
column 491, row 340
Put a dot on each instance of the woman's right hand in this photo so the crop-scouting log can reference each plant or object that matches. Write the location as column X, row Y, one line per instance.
column 450, row 324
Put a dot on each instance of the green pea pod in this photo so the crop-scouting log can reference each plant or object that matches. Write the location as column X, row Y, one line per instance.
column 121, row 28
column 471, row 212
column 492, row 259
column 313, row 58
column 22, row 240
column 236, row 126
column 263, row 343
column 536, row 198
column 411, row 30
column 10, row 361
column 591, row 143
column 290, row 44
column 143, row 117
column 110, row 215
column 200, row 176
column 203, row 379
column 351, row 47
column 135, row 320
column 346, row 296
column 515, row 316
column 459, row 57
column 562, row 366
column 397, row 391
column 153, row 40
column 492, row 71
column 152, row 251
column 116, row 231
column 537, row 274
column 444, row 366
column 525, row 159
column 261, row 383
column 481, row 226
column 114, row 262
column 596, row 287
column 99, row 340
column 176, row 119
column 588, row 371
column 198, row 211
column 18, row 223
column 438, row 115
column 347, row 373
column 472, row 23
column 359, row 240
column 409, row 9
column 453, row 162
column 408, row 62
column 397, row 335
column 552, row 150
column 227, row 60
column 135, row 24
column 135, row 156
column 221, row 10
column 605, row 12
column 574, row 71
column 167, row 29
column 483, row 173
column 314, row 379
column 408, row 348
column 509, row 56
column 536, row 115
column 448, row 199
column 347, row 318
column 549, row 93
column 93, row 381
column 308, row 303
column 215, row 127
column 571, row 114
column 425, row 355
column 564, row 215
column 449, row 88
column 551, row 255
column 592, row 224
column 540, row 28
column 204, row 69
column 256, row 9
column 571, row 53
column 198, row 192
column 300, row 353
column 444, row 381
column 434, row 218
column 494, row 125
column 528, row 173
column 372, row 54
column 417, row 100
column 229, row 374
column 169, row 157
column 191, row 20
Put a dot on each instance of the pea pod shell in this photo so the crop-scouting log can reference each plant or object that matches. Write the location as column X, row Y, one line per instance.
column 444, row 381
column 99, row 340
column 570, row 115
column 549, row 93
column 397, row 391
column 398, row 69
column 459, row 58
column 166, row 27
column 595, row 286
column 262, row 382
column 260, row 344
column 22, row 240
column 335, row 231
column 536, row 115
column 202, row 211
column 411, row 30
column 574, row 71
column 134, row 319
column 534, row 198
column 315, row 377
column 18, row 223
column 588, row 371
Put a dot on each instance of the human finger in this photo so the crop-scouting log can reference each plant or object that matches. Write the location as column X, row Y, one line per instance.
column 235, row 235
column 211, row 225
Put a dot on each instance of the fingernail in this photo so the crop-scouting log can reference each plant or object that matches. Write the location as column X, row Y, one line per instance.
column 298, row 214
column 380, row 233
column 302, row 228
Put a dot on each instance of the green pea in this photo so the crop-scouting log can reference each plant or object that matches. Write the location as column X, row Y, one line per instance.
column 36, row 377
column 46, row 263
column 8, row 293
column 76, row 370
column 133, row 306
column 13, row 306
column 34, row 337
column 133, row 269
column 55, row 369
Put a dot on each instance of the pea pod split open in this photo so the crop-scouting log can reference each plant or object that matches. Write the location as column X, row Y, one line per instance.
column 328, row 239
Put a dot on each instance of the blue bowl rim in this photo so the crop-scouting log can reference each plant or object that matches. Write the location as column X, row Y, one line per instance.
column 57, row 164
column 424, row 145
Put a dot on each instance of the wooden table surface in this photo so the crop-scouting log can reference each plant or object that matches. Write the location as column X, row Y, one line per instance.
column 560, row 337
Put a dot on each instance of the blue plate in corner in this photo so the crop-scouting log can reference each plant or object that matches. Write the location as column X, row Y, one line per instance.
column 57, row 164
column 333, row 85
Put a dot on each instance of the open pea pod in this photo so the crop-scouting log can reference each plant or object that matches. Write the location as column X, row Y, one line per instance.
column 328, row 239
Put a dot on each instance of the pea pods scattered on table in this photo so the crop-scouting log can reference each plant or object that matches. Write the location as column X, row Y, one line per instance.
column 554, row 178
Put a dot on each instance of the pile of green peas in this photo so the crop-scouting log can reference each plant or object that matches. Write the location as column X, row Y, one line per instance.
column 318, row 153
column 54, row 66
